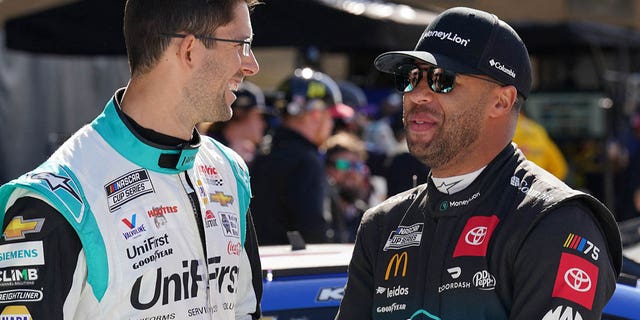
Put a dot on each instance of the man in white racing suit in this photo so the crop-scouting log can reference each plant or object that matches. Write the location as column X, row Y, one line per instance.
column 138, row 216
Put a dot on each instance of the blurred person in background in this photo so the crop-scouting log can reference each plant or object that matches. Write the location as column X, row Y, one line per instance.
column 348, row 185
column 288, row 176
column 378, row 134
column 83, row 224
column 629, row 178
column 534, row 141
column 246, row 128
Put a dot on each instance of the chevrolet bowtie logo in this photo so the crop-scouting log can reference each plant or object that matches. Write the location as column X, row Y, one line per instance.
column 17, row 228
column 221, row 198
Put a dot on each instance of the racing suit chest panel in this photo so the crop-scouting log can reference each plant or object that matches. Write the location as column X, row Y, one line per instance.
column 156, row 262
column 451, row 271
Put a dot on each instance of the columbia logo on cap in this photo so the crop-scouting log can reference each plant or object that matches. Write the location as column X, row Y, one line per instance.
column 502, row 68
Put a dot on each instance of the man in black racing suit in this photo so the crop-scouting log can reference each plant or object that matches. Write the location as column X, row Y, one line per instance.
column 491, row 235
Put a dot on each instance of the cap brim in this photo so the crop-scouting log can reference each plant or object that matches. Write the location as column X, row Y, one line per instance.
column 389, row 61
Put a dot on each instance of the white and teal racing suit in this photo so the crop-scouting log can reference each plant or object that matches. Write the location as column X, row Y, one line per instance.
column 115, row 226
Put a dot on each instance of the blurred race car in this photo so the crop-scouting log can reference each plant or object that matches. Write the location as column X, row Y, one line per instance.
column 308, row 284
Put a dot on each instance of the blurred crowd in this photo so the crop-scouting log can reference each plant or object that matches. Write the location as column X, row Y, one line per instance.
column 320, row 154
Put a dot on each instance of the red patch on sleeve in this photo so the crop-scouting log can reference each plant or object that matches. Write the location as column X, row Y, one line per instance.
column 576, row 280
column 475, row 236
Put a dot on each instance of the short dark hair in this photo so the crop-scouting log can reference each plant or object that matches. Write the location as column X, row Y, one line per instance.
column 145, row 20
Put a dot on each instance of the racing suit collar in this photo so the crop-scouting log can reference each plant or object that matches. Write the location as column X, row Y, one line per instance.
column 494, row 175
column 123, row 136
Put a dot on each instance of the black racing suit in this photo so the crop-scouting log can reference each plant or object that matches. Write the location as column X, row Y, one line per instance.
column 515, row 244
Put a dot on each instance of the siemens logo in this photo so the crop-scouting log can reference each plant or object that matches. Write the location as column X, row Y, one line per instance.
column 21, row 254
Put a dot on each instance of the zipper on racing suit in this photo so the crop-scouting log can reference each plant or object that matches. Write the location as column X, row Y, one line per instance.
column 197, row 214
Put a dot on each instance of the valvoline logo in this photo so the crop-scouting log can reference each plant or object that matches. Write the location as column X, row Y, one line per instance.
column 135, row 230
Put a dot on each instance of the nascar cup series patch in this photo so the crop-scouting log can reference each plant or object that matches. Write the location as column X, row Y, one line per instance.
column 404, row 236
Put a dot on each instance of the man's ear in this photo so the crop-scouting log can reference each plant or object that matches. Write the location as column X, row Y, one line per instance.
column 504, row 103
column 186, row 49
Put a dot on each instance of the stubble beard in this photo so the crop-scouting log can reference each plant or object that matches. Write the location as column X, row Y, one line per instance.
column 451, row 140
column 208, row 103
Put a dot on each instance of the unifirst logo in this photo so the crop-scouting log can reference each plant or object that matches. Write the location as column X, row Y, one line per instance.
column 503, row 68
column 448, row 36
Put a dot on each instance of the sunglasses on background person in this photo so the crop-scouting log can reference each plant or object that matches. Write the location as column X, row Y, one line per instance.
column 345, row 165
column 439, row 80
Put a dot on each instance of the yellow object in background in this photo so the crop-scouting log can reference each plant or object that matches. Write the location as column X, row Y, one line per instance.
column 538, row 147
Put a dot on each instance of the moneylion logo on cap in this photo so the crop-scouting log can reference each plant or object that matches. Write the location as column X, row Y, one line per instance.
column 448, row 36
column 502, row 68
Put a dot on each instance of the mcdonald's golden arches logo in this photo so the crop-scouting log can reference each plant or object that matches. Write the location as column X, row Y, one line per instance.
column 395, row 261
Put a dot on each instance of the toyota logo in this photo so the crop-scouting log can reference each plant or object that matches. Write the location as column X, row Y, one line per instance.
column 476, row 236
column 577, row 279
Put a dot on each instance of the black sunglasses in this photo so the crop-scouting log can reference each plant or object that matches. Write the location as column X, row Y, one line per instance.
column 440, row 80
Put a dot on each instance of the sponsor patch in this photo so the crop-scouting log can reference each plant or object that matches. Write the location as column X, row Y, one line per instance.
column 449, row 36
column 562, row 313
column 404, row 237
column 133, row 229
column 500, row 66
column 576, row 280
column 21, row 254
column 128, row 187
column 210, row 220
column 18, row 228
column 397, row 260
column 231, row 227
column 15, row 313
column 474, row 239
column 484, row 280
column 582, row 245
column 523, row 187
column 221, row 198
column 210, row 175
column 391, row 308
column 162, row 210
column 18, row 277
column 20, row 295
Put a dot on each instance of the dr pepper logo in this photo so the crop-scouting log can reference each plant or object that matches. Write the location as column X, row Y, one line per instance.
column 475, row 236
column 576, row 280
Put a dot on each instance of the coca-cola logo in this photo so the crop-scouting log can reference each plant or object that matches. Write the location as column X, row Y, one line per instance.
column 234, row 248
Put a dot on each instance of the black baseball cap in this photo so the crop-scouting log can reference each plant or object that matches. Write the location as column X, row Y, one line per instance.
column 466, row 40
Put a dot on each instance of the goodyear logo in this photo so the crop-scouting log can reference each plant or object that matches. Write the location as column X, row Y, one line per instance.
column 18, row 228
column 395, row 262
